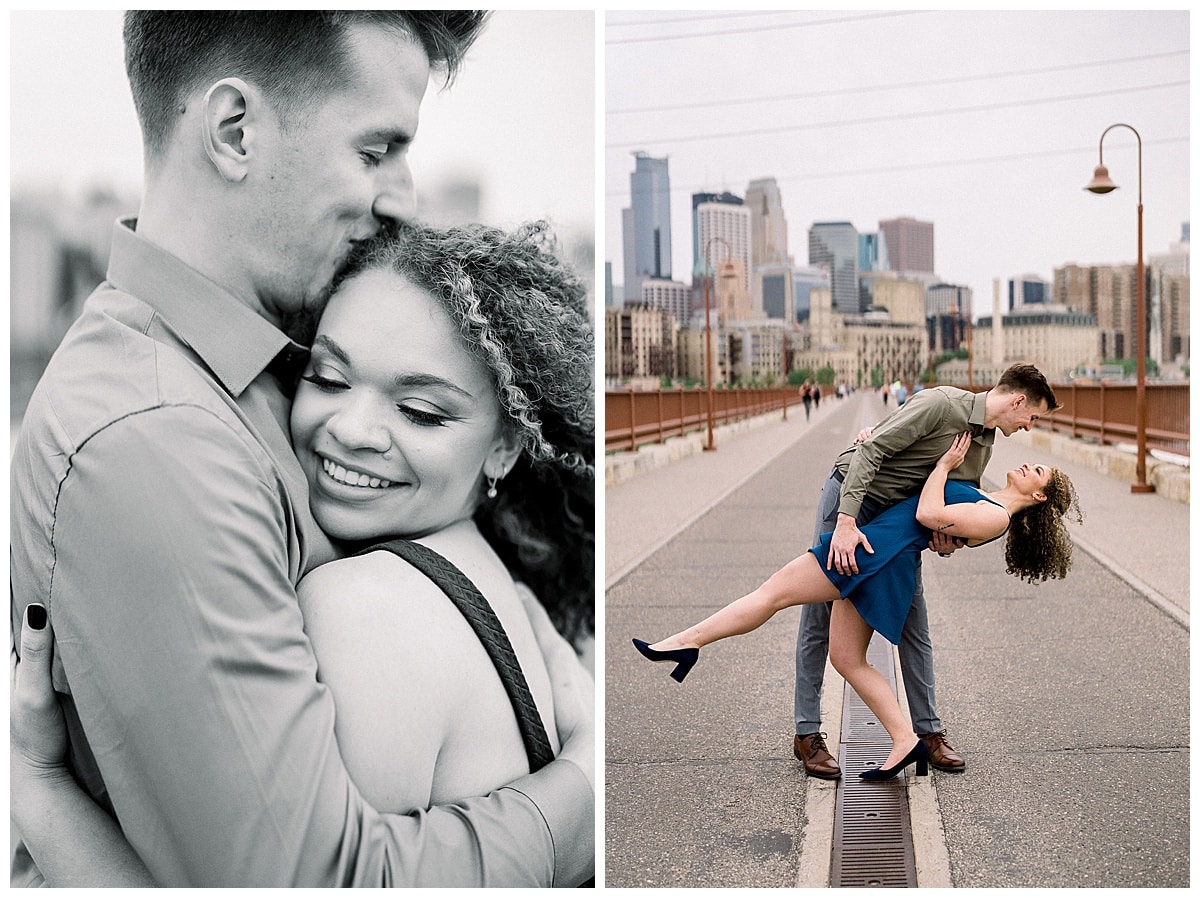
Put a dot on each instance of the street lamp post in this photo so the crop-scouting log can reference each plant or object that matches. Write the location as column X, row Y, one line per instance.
column 710, row 275
column 783, row 347
column 971, row 354
column 1101, row 183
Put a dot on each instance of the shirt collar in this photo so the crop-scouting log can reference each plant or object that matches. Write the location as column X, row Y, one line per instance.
column 976, row 419
column 230, row 336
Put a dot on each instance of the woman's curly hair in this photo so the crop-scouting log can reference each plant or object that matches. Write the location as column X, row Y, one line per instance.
column 523, row 313
column 1039, row 546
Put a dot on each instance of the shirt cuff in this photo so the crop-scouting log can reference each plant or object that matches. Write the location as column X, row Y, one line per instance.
column 567, row 803
column 850, row 507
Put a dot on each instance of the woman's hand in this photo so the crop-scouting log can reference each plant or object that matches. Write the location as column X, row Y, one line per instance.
column 74, row 843
column 37, row 731
column 957, row 452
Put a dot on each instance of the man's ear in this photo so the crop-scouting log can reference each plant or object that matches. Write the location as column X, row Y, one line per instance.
column 227, row 127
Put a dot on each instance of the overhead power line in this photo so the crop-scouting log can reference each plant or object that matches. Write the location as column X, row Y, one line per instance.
column 916, row 166
column 754, row 28
column 904, row 116
column 719, row 16
column 894, row 85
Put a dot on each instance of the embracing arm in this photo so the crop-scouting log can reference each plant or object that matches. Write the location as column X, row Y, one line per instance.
column 896, row 432
column 966, row 520
column 181, row 638
column 90, row 850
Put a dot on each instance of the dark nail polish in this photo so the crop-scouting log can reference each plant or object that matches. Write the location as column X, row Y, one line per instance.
column 36, row 615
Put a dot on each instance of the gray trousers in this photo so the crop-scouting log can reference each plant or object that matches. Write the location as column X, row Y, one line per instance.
column 812, row 642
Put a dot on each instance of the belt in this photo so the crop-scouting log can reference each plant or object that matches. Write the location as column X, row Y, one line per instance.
column 837, row 475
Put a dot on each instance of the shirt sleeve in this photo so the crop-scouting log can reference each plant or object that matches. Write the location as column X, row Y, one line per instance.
column 908, row 424
column 179, row 632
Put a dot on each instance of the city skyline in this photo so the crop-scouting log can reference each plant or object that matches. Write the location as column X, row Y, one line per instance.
column 985, row 125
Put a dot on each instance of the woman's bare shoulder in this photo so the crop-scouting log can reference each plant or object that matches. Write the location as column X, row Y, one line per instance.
column 374, row 574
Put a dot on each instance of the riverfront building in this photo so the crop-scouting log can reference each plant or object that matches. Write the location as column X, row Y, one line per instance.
column 673, row 296
column 639, row 345
column 868, row 349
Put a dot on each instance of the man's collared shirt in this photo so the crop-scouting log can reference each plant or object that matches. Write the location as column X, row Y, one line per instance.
column 159, row 514
column 905, row 446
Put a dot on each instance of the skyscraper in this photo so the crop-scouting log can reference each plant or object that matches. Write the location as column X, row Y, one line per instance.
column 647, row 224
column 872, row 252
column 698, row 248
column 768, row 227
column 770, row 275
column 909, row 244
column 833, row 245
column 730, row 223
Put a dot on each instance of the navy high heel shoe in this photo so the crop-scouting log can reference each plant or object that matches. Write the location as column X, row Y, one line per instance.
column 919, row 754
column 684, row 659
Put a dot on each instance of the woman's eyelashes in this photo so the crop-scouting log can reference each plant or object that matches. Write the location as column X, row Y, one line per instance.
column 324, row 384
column 423, row 417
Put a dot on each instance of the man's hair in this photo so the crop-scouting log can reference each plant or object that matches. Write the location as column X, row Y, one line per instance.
column 294, row 57
column 1025, row 378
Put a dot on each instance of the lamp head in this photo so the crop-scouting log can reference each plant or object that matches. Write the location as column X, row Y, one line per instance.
column 1101, row 182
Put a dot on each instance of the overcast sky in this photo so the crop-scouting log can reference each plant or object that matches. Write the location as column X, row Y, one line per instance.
column 986, row 124
column 521, row 114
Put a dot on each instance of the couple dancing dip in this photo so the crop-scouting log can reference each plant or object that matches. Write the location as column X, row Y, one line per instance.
column 872, row 526
column 293, row 617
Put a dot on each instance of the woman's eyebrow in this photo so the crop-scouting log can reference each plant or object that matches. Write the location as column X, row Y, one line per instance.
column 429, row 380
column 330, row 346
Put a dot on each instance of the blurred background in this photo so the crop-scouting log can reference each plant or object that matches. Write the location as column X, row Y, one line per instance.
column 512, row 139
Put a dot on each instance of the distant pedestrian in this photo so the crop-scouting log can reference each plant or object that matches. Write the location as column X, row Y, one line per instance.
column 808, row 400
column 817, row 396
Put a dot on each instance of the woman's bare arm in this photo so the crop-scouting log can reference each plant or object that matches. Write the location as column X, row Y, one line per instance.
column 982, row 520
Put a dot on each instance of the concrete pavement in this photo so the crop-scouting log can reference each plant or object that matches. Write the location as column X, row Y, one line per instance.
column 1069, row 699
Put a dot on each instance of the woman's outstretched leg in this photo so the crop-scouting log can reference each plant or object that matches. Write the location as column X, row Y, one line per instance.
column 799, row 582
column 849, row 636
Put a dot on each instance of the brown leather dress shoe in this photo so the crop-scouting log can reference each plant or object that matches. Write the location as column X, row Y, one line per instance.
column 941, row 755
column 818, row 762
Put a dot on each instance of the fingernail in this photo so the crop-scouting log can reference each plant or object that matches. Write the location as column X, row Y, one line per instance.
column 36, row 615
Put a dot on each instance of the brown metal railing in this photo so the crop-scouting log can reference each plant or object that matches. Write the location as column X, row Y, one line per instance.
column 1099, row 411
column 1107, row 412
column 635, row 417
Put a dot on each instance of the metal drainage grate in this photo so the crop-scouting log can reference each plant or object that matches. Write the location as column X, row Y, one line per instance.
column 872, row 837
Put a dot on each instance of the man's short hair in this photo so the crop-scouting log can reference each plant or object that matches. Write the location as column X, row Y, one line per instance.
column 295, row 57
column 1025, row 378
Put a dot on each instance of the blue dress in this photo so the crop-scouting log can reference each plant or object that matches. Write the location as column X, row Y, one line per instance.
column 883, row 588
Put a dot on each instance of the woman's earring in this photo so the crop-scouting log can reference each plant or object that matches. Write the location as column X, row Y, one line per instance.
column 491, row 493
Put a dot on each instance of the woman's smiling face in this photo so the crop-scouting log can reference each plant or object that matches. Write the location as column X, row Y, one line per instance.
column 394, row 422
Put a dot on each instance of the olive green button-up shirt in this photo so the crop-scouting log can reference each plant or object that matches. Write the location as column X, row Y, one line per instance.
column 904, row 448
column 159, row 514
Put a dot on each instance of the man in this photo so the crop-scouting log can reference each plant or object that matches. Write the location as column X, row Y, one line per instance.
column 890, row 464
column 159, row 514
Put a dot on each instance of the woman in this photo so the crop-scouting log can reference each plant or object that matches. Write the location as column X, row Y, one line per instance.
column 448, row 400
column 1030, row 508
